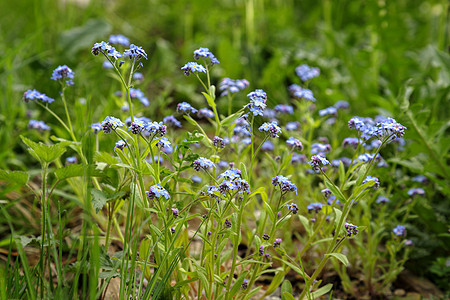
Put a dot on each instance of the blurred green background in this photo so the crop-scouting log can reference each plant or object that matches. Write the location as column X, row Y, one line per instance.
column 388, row 57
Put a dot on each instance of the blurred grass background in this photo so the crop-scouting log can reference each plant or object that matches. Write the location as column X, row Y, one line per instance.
column 366, row 51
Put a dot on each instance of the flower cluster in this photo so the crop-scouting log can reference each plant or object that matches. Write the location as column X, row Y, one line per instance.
column 33, row 94
column 185, row 107
column 272, row 128
column 285, row 184
column 399, row 230
column 163, row 143
column 218, row 142
column 416, row 191
column 119, row 40
column 329, row 111
column 39, row 125
column 257, row 103
column 172, row 121
column 293, row 208
column 121, row 145
column 386, row 128
column 63, row 72
column 294, row 143
column 106, row 49
column 111, row 123
column 230, row 86
column 284, row 109
column 157, row 191
column 350, row 141
column 156, row 128
column 277, row 242
column 301, row 93
column 351, row 229
column 316, row 206
column 135, row 52
column 306, row 72
column 317, row 162
column 192, row 67
column 138, row 94
column 202, row 163
column 382, row 199
column 205, row 113
column 321, row 149
column 205, row 53
column 137, row 126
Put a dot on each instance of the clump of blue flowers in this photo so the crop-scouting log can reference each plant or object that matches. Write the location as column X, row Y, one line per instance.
column 306, row 72
column 157, row 191
column 62, row 73
column 31, row 95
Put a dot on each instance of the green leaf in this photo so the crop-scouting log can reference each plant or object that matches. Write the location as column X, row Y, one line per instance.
column 322, row 291
column 286, row 295
column 18, row 177
column 82, row 37
column 286, row 287
column 305, row 223
column 338, row 213
column 340, row 257
column 98, row 200
column 238, row 284
column 244, row 171
column 336, row 191
column 76, row 170
column 45, row 153
column 269, row 211
column 361, row 188
column 230, row 119
column 341, row 172
column 106, row 158
column 292, row 266
column 209, row 99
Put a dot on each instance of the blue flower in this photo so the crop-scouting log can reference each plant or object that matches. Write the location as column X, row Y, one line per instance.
column 228, row 85
column 218, row 142
column 39, row 125
column 290, row 126
column 416, row 191
column 202, row 163
column 204, row 52
column 382, row 199
column 399, row 230
column 63, row 72
column 350, row 141
column 351, row 229
column 119, row 40
column 163, row 143
column 318, row 148
column 284, row 183
column 71, row 160
column 284, row 109
column 271, row 127
column 96, row 127
column 155, row 159
column 205, row 112
column 157, row 191
column 138, row 94
column 301, row 93
column 318, row 161
column 341, row 104
column 231, row 174
column 294, row 143
column 135, row 52
column 293, row 208
column 314, row 206
column 329, row 111
column 137, row 126
column 258, row 94
column 192, row 67
column 156, row 128
column 101, row 47
column 121, row 144
column 306, row 72
column 267, row 146
column 420, row 179
column 298, row 158
column 137, row 76
column 196, row 179
column 172, row 121
column 111, row 123
column 107, row 65
column 186, row 108
column 372, row 178
column 33, row 94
